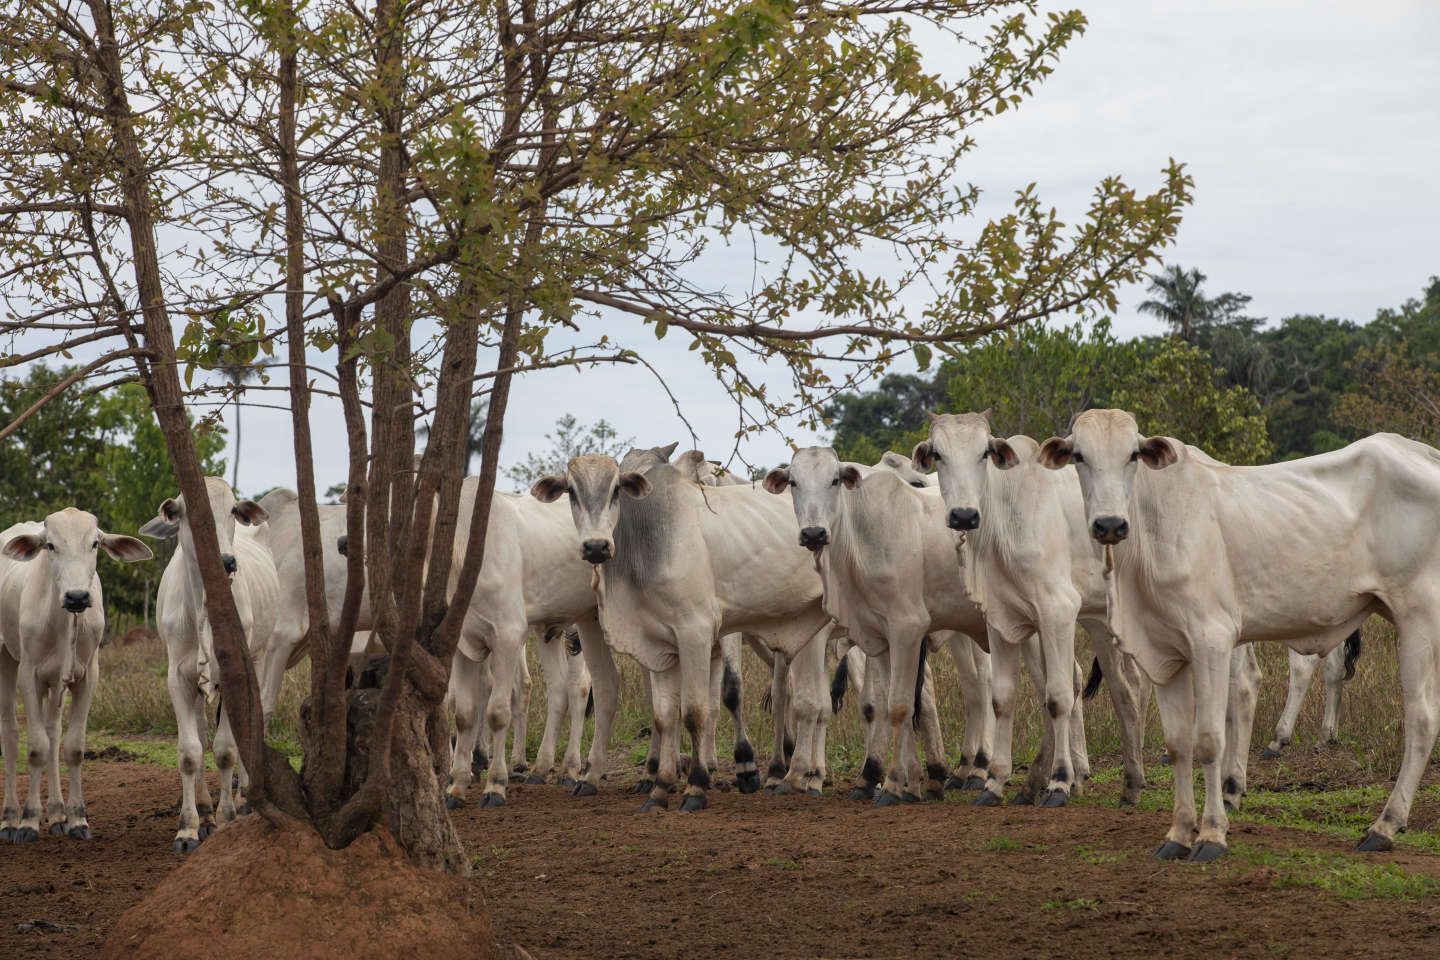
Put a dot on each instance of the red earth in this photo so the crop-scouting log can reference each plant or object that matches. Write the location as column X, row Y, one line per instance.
column 790, row 877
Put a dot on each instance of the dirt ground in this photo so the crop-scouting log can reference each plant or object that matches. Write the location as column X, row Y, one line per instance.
column 785, row 877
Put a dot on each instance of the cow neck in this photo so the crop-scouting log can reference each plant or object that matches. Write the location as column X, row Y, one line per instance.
column 1134, row 562
column 645, row 530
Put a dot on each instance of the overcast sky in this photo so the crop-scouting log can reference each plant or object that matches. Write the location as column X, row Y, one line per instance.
column 1312, row 130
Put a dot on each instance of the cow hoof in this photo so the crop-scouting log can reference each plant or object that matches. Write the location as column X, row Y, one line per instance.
column 987, row 799
column 813, row 792
column 7, row 835
column 934, row 796
column 1129, row 802
column 643, row 787
column 534, row 780
column 453, row 802
column 57, row 829
column 1269, row 754
column 81, row 832
column 1164, row 759
column 1055, row 798
column 1170, row 850
column 185, row 844
column 243, row 811
column 206, row 829
column 492, row 800
column 1374, row 842
column 1231, row 805
column 653, row 804
column 1206, row 850
column 1023, row 798
column 974, row 782
column 567, row 782
column 25, row 835
column 748, row 781
column 908, row 797
column 783, row 789
column 696, row 801
column 861, row 794
column 584, row 789
column 886, row 799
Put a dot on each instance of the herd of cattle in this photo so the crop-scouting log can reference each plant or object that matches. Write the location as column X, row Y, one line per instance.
column 1173, row 562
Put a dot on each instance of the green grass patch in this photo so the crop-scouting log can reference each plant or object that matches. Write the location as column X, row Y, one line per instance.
column 1075, row 903
column 1096, row 856
column 1001, row 844
column 1346, row 877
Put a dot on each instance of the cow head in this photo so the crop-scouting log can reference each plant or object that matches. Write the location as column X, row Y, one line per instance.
column 1105, row 446
column 72, row 539
column 227, row 511
column 814, row 479
column 645, row 459
column 594, row 484
column 959, row 446
column 903, row 467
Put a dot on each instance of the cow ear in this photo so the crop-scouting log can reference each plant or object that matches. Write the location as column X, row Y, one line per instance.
column 549, row 489
column 635, row 485
column 777, row 480
column 1157, row 453
column 667, row 451
column 24, row 546
column 249, row 513
column 1002, row 454
column 1055, row 452
column 849, row 476
column 127, row 549
column 169, row 509
column 160, row 527
column 923, row 456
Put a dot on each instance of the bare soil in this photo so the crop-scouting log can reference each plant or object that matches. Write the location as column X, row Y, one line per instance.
column 761, row 876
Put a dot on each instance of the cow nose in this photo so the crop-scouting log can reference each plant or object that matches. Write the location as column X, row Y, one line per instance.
column 812, row 537
column 1110, row 529
column 964, row 518
column 342, row 543
column 77, row 600
column 229, row 560
column 595, row 551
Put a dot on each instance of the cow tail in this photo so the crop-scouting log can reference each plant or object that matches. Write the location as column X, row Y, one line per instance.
column 590, row 703
column 839, row 684
column 1092, row 683
column 1352, row 654
column 767, row 700
column 920, row 682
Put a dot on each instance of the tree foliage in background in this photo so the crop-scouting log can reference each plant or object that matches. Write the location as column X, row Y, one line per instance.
column 1393, row 393
column 570, row 439
column 100, row 452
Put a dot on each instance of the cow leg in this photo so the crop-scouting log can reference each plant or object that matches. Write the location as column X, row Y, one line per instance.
column 709, row 754
column 1057, row 643
column 664, row 730
column 652, row 753
column 278, row 653
column 1302, row 671
column 1176, row 699
column 1334, row 685
column 1038, row 773
column 780, row 722
column 1129, row 695
column 204, row 803
column 37, row 723
column 226, row 756
column 697, row 658
column 810, row 702
column 937, row 774
column 520, row 716
column 877, row 731
column 553, row 671
column 191, row 758
column 507, row 649
column 1005, row 665
column 10, row 744
column 732, row 694
column 605, row 680
column 1419, row 648
column 54, row 820
column 972, row 666
column 465, row 684
column 1079, row 751
column 577, row 693
column 1240, row 721
column 905, row 652
column 77, row 826
column 1211, row 673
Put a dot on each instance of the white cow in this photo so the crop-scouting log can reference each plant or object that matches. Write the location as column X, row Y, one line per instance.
column 1031, row 565
column 192, row 677
column 52, row 618
column 1208, row 556
column 681, row 564
column 1339, row 667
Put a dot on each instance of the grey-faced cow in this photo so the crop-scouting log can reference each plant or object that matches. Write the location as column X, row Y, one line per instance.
column 192, row 676
column 52, row 618
column 1207, row 556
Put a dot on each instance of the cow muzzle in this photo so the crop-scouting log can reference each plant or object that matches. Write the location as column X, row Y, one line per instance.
column 342, row 544
column 963, row 518
column 812, row 538
column 76, row 601
column 228, row 559
column 1110, row 530
column 595, row 551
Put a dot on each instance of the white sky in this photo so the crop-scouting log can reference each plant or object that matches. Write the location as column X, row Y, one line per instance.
column 1312, row 130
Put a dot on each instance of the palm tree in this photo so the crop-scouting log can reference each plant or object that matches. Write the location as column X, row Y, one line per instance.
column 1179, row 302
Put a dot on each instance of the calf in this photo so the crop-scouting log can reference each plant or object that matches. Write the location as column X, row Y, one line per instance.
column 52, row 618
column 1202, row 557
column 192, row 676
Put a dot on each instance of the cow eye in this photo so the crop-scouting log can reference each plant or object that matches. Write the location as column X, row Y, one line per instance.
column 49, row 546
column 918, row 484
column 1076, row 458
column 95, row 545
column 793, row 483
column 984, row 455
column 835, row 482
column 1135, row 455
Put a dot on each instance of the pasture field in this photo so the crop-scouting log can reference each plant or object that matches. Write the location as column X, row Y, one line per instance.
column 799, row 877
